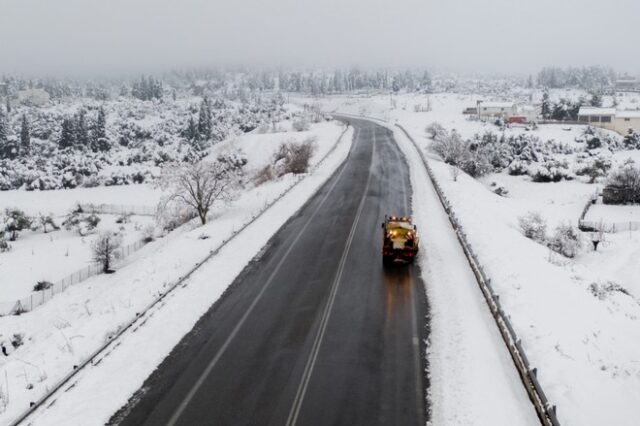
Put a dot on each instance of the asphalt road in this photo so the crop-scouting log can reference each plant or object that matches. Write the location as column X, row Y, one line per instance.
column 314, row 331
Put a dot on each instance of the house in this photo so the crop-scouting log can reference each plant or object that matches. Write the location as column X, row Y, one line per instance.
column 626, row 120
column 610, row 118
column 598, row 117
column 627, row 84
column 497, row 109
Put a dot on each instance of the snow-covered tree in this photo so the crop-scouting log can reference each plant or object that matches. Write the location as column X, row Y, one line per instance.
column 198, row 186
column 99, row 141
column 105, row 249
column 25, row 135
column 15, row 221
column 546, row 104
column 204, row 120
column 67, row 134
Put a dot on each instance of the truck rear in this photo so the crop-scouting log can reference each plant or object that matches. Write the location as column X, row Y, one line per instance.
column 399, row 240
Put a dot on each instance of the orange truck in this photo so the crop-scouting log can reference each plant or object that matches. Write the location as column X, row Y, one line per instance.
column 399, row 240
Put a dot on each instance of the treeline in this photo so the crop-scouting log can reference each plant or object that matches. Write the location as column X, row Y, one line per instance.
column 592, row 78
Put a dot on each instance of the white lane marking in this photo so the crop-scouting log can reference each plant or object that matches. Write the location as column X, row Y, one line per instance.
column 185, row 402
column 308, row 370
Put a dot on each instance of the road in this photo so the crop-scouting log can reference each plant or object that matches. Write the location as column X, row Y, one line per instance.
column 314, row 331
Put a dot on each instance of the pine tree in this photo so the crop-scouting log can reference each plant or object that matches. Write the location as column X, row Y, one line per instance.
column 67, row 134
column 204, row 120
column 99, row 141
column 8, row 105
column 25, row 135
column 546, row 104
column 3, row 129
column 191, row 132
column 596, row 100
column 82, row 129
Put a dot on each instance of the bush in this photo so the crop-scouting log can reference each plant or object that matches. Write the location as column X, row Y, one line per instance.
column 264, row 175
column 294, row 157
column 16, row 220
column 566, row 241
column 148, row 233
column 83, row 223
column 518, row 168
column 598, row 167
column 435, row 131
column 42, row 285
column 551, row 171
column 301, row 124
column 105, row 249
column 533, row 226
column 4, row 245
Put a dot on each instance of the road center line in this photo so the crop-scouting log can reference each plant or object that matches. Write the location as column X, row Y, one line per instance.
column 308, row 370
column 185, row 402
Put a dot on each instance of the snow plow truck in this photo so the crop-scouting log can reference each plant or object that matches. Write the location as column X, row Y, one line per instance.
column 399, row 240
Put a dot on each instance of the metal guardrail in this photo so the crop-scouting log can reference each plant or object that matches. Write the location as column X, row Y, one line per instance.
column 93, row 358
column 528, row 374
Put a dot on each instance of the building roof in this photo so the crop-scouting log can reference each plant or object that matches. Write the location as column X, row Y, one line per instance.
column 596, row 111
column 497, row 104
column 628, row 114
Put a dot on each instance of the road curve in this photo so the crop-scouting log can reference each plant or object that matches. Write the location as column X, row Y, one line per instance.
column 314, row 331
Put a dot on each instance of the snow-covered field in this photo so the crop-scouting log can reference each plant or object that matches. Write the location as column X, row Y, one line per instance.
column 578, row 318
column 68, row 328
column 37, row 256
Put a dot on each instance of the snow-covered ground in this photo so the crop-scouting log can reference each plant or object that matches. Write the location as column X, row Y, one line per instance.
column 37, row 256
column 68, row 328
column 578, row 318
column 472, row 373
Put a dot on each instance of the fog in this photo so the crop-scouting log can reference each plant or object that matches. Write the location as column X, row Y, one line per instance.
column 474, row 36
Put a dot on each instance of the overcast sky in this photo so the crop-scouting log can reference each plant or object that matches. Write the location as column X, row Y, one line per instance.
column 505, row 36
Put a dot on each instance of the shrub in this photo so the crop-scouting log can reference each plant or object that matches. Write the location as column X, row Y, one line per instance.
column 551, row 171
column 148, row 233
column 264, row 175
column 598, row 167
column 4, row 245
column 42, row 285
column 105, row 249
column 533, row 226
column 294, row 157
column 435, row 131
column 83, row 223
column 566, row 240
column 301, row 124
column 15, row 221
column 518, row 168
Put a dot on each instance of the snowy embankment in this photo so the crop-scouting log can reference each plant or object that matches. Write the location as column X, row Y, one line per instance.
column 472, row 376
column 579, row 334
column 66, row 330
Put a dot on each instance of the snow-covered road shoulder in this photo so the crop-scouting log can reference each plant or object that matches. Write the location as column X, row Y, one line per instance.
column 472, row 377
column 99, row 391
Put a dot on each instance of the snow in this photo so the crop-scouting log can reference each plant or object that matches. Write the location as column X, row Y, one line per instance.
column 61, row 201
column 596, row 111
column 613, row 213
column 466, row 353
column 71, row 326
column 36, row 256
column 578, row 318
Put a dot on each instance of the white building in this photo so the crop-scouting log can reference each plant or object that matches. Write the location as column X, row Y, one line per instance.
column 626, row 120
column 610, row 118
column 497, row 109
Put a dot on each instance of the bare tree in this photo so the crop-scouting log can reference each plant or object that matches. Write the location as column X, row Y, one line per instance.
column 105, row 249
column 198, row 186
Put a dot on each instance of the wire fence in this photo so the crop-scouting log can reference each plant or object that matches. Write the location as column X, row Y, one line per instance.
column 120, row 209
column 38, row 298
column 608, row 227
column 546, row 411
